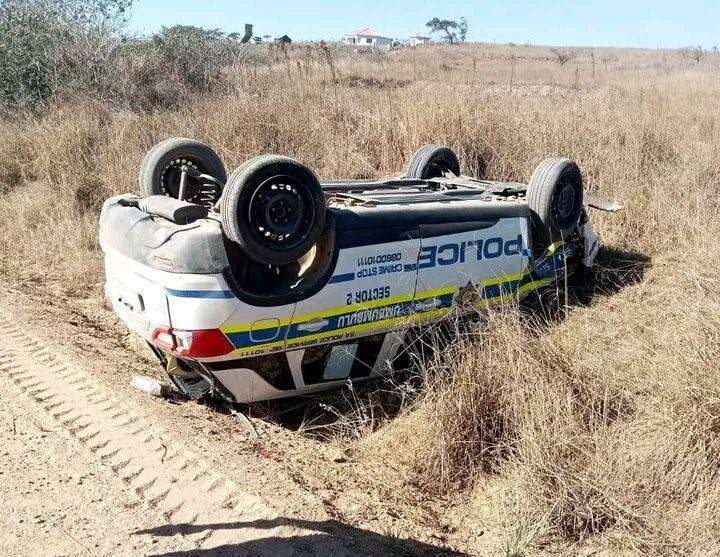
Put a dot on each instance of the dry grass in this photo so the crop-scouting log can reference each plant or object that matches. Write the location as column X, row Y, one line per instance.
column 605, row 425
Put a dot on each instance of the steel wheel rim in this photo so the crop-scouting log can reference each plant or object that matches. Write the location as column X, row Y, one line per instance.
column 195, row 192
column 565, row 203
column 280, row 212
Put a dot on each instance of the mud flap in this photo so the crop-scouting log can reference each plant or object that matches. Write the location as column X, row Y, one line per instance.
column 601, row 202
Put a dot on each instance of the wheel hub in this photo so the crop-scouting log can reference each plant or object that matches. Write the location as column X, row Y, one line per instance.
column 565, row 201
column 170, row 178
column 278, row 212
column 284, row 212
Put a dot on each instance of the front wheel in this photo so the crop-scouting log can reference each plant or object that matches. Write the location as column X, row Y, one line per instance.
column 273, row 207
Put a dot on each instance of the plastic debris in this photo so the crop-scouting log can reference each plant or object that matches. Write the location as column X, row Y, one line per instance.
column 150, row 386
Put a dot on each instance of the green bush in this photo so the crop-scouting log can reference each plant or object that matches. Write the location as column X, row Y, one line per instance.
column 49, row 47
column 173, row 63
column 66, row 48
column 196, row 56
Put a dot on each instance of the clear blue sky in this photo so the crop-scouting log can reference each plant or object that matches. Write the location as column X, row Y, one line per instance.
column 641, row 23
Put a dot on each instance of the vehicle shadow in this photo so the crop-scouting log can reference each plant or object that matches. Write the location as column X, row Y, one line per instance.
column 353, row 410
column 348, row 411
column 328, row 537
column 614, row 270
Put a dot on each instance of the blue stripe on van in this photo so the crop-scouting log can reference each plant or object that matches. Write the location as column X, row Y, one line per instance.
column 495, row 290
column 342, row 278
column 218, row 294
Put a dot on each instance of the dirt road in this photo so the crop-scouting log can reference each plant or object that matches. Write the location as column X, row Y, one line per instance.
column 59, row 500
column 85, row 472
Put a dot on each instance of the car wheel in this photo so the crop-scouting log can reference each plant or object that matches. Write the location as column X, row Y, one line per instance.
column 555, row 198
column 273, row 207
column 432, row 161
column 161, row 168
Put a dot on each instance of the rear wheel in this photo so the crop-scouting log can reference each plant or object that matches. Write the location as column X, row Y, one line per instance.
column 555, row 198
column 161, row 169
column 433, row 161
column 273, row 207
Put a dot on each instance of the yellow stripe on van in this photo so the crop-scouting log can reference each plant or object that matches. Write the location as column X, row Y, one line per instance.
column 372, row 305
column 373, row 326
column 501, row 279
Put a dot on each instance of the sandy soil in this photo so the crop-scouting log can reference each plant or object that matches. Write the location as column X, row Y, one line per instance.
column 59, row 500
column 270, row 491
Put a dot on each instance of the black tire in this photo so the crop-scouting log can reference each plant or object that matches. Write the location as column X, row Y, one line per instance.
column 160, row 170
column 273, row 207
column 555, row 198
column 236, row 171
column 432, row 161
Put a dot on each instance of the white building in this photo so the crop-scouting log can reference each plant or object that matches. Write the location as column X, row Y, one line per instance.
column 419, row 39
column 367, row 38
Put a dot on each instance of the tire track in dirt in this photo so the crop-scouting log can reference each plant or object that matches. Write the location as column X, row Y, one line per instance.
column 190, row 497
column 180, row 485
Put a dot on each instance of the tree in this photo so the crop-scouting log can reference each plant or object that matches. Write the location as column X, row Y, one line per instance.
column 463, row 29
column 188, row 34
column 446, row 26
column 562, row 56
column 192, row 56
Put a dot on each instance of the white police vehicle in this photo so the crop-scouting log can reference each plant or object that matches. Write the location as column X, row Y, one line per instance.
column 270, row 284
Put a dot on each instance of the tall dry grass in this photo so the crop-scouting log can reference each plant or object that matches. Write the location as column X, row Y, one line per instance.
column 605, row 425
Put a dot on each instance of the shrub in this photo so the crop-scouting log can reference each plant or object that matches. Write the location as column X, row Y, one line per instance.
column 173, row 63
column 49, row 46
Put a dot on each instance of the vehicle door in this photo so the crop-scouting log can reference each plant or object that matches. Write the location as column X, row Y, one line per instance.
column 470, row 263
column 371, row 293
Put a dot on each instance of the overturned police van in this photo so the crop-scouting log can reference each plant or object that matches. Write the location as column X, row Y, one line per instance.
column 269, row 283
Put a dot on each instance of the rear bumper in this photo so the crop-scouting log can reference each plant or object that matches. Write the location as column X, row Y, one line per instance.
column 138, row 302
column 157, row 243
column 145, row 298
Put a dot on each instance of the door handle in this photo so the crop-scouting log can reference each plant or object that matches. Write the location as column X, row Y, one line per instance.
column 314, row 325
